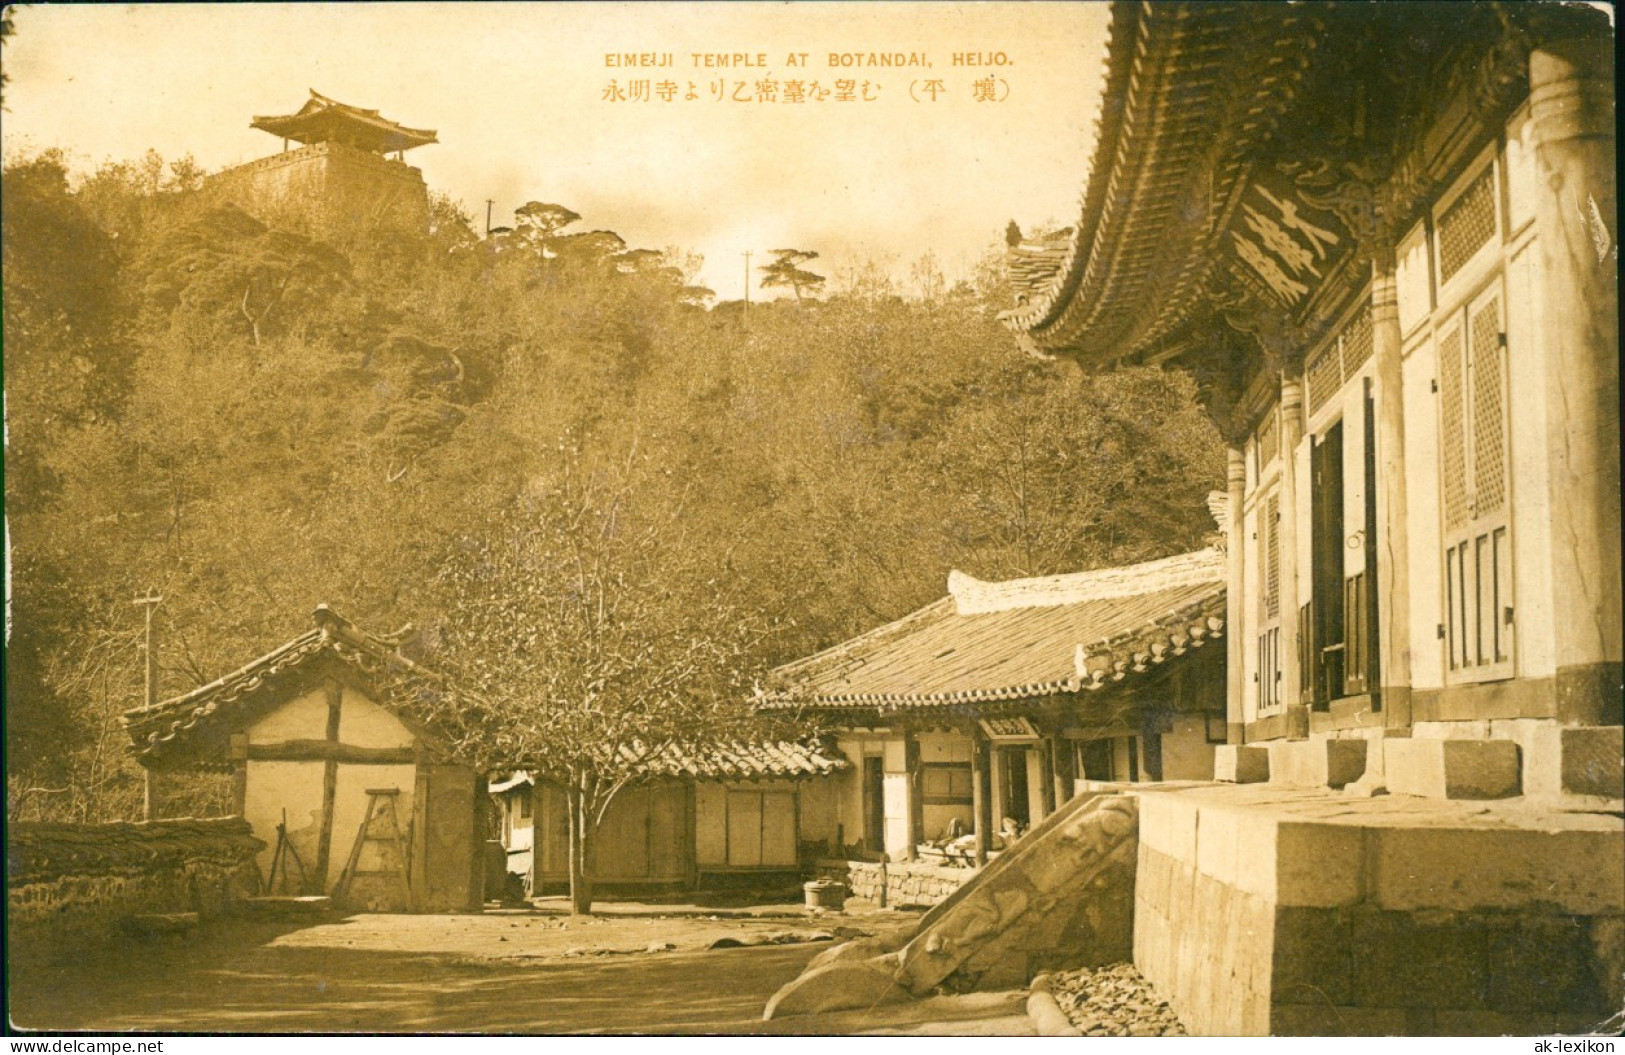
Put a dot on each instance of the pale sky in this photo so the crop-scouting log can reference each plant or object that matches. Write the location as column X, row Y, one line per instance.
column 516, row 93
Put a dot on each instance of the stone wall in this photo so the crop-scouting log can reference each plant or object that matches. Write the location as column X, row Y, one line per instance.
column 1266, row 910
column 69, row 886
column 905, row 884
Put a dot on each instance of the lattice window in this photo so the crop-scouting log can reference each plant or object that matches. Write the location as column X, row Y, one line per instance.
column 1325, row 375
column 1268, row 439
column 1357, row 343
column 1478, row 580
column 1489, row 443
column 1272, row 557
column 1467, row 225
column 1452, row 436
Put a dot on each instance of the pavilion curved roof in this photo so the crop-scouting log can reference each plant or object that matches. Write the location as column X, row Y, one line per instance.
column 323, row 120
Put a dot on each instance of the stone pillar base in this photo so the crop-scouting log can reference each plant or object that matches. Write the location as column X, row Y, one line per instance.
column 1452, row 769
column 1237, row 764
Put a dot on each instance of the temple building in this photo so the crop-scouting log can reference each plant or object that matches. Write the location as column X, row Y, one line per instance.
column 348, row 168
column 1382, row 238
column 968, row 721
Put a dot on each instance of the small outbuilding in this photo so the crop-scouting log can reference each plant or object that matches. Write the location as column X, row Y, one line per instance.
column 721, row 814
column 318, row 741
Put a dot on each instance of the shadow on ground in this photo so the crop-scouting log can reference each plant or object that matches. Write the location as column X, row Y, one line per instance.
column 247, row 987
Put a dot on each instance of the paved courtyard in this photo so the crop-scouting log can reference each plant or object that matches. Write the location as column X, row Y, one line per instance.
column 637, row 969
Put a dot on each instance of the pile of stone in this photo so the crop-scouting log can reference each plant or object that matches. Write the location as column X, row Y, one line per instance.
column 1114, row 1001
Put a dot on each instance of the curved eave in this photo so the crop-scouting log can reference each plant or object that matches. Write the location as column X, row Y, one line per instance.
column 1110, row 662
column 324, row 125
column 1190, row 87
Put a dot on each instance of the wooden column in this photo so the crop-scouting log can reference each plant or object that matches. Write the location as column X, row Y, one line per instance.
column 152, row 804
column 1046, row 779
column 1571, row 104
column 1235, row 596
column 1063, row 764
column 1393, row 575
column 1291, row 436
column 981, row 793
column 330, row 787
column 915, row 785
column 239, row 773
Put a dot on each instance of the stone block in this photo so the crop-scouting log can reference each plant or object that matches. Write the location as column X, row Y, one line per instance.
column 1312, row 958
column 1453, row 769
column 1329, row 763
column 1546, row 964
column 1217, row 834
column 1476, row 869
column 1318, row 864
column 1593, row 761
column 1328, row 1020
column 1168, row 824
column 1403, row 959
column 1241, row 764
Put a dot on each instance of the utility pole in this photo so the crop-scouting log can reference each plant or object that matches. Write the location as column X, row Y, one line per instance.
column 488, row 204
column 151, row 806
column 747, row 280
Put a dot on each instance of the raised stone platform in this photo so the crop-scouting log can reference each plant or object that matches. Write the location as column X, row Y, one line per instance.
column 1261, row 909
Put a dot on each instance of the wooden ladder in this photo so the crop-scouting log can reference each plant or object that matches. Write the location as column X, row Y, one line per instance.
column 381, row 824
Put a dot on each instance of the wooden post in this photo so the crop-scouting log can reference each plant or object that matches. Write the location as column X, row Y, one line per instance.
column 330, row 786
column 239, row 773
column 691, row 841
column 1046, row 779
column 915, row 791
column 1571, row 107
column 152, row 807
column 1235, row 597
column 1291, row 436
column 1392, row 574
column 151, row 801
column 981, row 793
column 1063, row 764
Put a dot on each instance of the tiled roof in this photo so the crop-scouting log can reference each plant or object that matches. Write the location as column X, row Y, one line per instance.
column 752, row 760
column 318, row 119
column 729, row 760
column 1190, row 88
column 1022, row 639
column 193, row 725
column 194, row 728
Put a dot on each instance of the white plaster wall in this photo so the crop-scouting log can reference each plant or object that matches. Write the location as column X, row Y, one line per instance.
column 350, row 806
column 301, row 718
column 1422, row 500
column 1305, row 570
column 1252, row 616
column 1186, row 754
column 1534, row 620
column 1035, row 784
column 849, row 803
column 896, row 793
column 945, row 747
column 292, row 786
column 365, row 724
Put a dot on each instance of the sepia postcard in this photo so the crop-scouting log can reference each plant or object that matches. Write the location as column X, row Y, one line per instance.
column 907, row 519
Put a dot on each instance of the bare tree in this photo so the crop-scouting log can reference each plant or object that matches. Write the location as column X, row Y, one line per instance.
column 590, row 641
